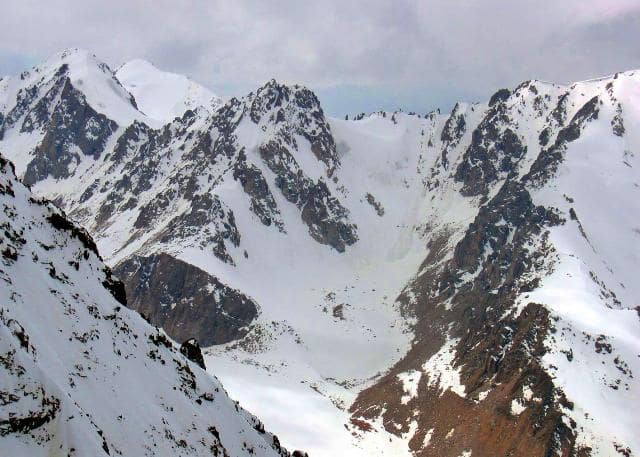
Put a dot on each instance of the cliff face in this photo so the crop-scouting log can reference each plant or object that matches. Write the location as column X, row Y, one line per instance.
column 184, row 300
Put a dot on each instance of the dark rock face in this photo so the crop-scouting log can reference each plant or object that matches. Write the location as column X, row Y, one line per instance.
column 72, row 124
column 297, row 110
column 497, row 349
column 375, row 204
column 255, row 185
column 35, row 114
column 510, row 213
column 452, row 132
column 115, row 286
column 191, row 350
column 454, row 127
column 60, row 222
column 494, row 151
column 500, row 96
column 134, row 135
column 617, row 123
column 547, row 162
column 326, row 218
column 559, row 114
column 186, row 301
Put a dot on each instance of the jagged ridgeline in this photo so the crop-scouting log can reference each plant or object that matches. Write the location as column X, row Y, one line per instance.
column 431, row 285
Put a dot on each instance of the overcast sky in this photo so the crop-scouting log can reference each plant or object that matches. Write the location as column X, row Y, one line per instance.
column 357, row 55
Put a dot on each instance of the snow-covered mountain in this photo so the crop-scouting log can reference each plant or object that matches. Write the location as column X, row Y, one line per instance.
column 163, row 95
column 401, row 284
column 80, row 373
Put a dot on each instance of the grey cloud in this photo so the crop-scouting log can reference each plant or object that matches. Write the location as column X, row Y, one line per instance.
column 421, row 52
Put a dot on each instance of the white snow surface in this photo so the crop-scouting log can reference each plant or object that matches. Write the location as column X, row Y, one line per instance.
column 441, row 370
column 69, row 347
column 410, row 381
column 594, row 289
column 162, row 95
column 90, row 76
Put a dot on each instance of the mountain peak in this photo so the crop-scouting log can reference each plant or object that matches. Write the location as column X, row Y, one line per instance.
column 75, row 53
column 77, row 63
column 163, row 95
column 87, row 74
column 279, row 98
column 285, row 90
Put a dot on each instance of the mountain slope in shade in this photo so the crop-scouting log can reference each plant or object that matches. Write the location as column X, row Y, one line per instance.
column 423, row 285
column 161, row 95
column 83, row 375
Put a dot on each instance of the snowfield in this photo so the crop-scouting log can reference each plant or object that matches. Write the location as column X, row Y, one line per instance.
column 161, row 95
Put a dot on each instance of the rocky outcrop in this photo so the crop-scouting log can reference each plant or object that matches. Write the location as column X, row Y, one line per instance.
column 255, row 185
column 376, row 205
column 494, row 151
column 493, row 350
column 184, row 300
column 73, row 125
column 191, row 350
column 323, row 214
column 550, row 158
column 454, row 128
column 295, row 110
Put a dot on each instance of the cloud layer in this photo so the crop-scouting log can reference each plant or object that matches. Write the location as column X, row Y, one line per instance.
column 359, row 55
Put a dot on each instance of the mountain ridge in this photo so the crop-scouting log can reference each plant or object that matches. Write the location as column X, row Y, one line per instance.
column 368, row 245
column 163, row 95
column 81, row 373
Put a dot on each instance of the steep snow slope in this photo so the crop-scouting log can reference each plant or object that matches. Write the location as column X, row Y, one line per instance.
column 83, row 375
column 329, row 319
column 85, row 72
column 598, row 186
column 162, row 95
column 405, row 278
